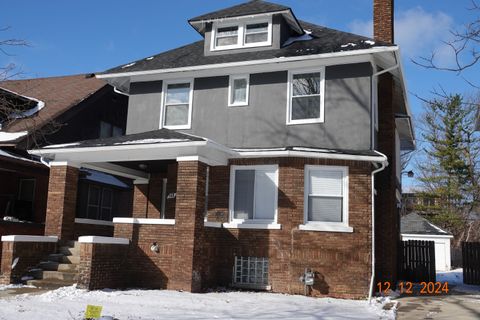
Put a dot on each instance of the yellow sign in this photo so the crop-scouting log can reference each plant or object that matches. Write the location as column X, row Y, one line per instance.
column 93, row 312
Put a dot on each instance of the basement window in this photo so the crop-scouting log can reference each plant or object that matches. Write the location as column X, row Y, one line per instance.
column 251, row 273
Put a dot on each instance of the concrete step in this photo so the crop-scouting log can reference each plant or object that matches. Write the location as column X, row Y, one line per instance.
column 70, row 259
column 69, row 251
column 59, row 275
column 72, row 244
column 50, row 283
column 55, row 257
column 36, row 273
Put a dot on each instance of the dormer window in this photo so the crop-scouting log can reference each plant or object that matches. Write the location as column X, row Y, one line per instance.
column 241, row 34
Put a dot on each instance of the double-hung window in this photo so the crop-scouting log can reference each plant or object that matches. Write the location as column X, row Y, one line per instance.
column 99, row 203
column 253, row 194
column 238, row 90
column 306, row 96
column 177, row 104
column 326, row 198
column 242, row 34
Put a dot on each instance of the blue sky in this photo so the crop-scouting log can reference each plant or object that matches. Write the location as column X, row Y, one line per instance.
column 70, row 37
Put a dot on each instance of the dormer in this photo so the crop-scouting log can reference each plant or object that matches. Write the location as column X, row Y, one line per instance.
column 252, row 26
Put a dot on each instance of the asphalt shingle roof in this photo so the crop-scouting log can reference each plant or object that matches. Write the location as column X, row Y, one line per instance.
column 149, row 137
column 324, row 40
column 415, row 224
column 248, row 8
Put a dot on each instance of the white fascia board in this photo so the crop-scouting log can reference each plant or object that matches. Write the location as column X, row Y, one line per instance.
column 306, row 154
column 263, row 63
column 11, row 136
column 144, row 221
column 94, row 222
column 25, row 238
column 103, row 240
column 407, row 235
column 29, row 112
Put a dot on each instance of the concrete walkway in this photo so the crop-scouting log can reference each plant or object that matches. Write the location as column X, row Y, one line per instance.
column 454, row 305
column 16, row 291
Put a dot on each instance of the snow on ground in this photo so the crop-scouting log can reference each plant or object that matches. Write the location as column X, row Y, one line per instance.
column 14, row 286
column 70, row 303
column 455, row 279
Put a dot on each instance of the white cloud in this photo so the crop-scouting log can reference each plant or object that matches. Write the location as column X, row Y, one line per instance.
column 417, row 32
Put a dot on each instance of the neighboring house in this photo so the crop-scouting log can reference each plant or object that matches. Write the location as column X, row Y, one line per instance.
column 415, row 227
column 257, row 153
column 37, row 112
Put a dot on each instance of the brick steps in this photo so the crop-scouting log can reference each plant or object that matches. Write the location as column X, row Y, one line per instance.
column 58, row 270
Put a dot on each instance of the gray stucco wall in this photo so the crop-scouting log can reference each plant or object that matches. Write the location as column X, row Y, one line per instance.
column 262, row 123
column 144, row 106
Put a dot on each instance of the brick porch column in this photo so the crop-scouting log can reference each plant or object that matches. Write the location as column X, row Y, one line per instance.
column 62, row 200
column 189, row 212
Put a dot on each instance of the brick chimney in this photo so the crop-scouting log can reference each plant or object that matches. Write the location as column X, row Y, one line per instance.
column 383, row 20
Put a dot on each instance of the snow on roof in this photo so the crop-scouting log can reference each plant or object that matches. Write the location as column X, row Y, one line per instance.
column 6, row 154
column 27, row 113
column 101, row 177
column 146, row 141
column 304, row 37
column 11, row 136
column 61, row 145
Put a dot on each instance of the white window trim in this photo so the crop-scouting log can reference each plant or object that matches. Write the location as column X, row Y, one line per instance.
column 230, row 88
column 241, row 23
column 291, row 73
column 163, row 103
column 326, row 226
column 256, row 223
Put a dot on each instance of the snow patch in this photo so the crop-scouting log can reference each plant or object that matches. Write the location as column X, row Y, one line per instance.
column 29, row 112
column 152, row 140
column 11, row 136
column 455, row 281
column 14, row 286
column 370, row 42
column 70, row 303
column 304, row 37
column 350, row 44
column 62, row 145
column 128, row 65
column 149, row 58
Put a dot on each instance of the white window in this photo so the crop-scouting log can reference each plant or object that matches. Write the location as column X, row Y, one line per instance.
column 177, row 104
column 326, row 199
column 306, row 96
column 253, row 194
column 256, row 33
column 241, row 34
column 238, row 90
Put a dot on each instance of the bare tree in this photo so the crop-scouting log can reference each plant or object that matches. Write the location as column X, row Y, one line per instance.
column 464, row 44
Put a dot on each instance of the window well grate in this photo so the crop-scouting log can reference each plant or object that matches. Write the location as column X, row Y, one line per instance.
column 251, row 272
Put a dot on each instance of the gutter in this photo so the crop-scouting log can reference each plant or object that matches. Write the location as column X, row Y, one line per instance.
column 384, row 164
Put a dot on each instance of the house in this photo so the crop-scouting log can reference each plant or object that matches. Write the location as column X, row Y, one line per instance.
column 415, row 227
column 265, row 153
column 38, row 112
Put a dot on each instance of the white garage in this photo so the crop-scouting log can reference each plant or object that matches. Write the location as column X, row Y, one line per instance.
column 414, row 227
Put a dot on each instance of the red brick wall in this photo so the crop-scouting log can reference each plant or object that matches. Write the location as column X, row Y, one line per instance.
column 62, row 198
column 387, row 215
column 102, row 266
column 192, row 257
column 144, row 267
column 342, row 261
column 85, row 229
column 383, row 20
column 29, row 253
column 18, row 228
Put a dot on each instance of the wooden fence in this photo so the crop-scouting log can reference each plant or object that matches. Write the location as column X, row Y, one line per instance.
column 471, row 262
column 417, row 261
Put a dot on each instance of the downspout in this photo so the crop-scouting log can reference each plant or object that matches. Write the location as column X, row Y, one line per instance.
column 383, row 165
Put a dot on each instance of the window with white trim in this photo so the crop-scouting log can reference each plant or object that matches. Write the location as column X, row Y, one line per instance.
column 177, row 104
column 241, row 34
column 238, row 90
column 306, row 96
column 326, row 195
column 253, row 193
